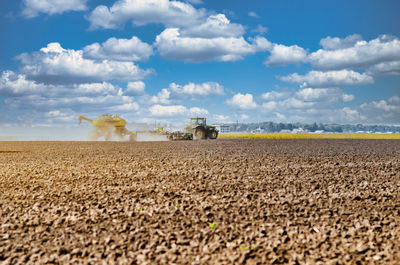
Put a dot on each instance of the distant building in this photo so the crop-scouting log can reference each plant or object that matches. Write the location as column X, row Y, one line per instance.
column 299, row 130
column 223, row 128
column 258, row 130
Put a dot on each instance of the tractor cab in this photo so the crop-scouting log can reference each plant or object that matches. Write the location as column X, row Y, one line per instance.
column 198, row 121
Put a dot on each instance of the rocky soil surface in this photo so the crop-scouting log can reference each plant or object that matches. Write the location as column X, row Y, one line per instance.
column 200, row 202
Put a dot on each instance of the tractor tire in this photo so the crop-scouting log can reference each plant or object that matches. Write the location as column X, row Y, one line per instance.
column 199, row 134
column 213, row 134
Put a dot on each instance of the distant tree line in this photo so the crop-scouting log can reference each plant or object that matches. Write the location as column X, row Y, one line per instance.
column 270, row 127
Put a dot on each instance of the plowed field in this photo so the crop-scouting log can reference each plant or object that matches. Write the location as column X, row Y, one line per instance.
column 201, row 202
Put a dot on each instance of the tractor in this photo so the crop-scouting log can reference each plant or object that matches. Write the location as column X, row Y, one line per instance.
column 201, row 130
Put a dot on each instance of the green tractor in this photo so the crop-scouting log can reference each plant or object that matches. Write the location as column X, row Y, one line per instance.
column 201, row 130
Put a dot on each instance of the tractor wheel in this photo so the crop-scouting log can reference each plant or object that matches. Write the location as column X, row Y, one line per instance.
column 199, row 134
column 213, row 134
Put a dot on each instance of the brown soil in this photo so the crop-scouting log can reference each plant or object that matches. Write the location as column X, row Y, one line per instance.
column 201, row 202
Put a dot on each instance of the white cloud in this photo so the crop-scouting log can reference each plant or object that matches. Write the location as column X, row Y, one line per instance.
column 15, row 84
column 214, row 26
column 175, row 110
column 141, row 12
column 135, row 88
column 307, row 101
column 336, row 43
column 53, row 103
column 220, row 118
column 324, row 94
column 119, row 49
column 253, row 14
column 362, row 54
column 329, row 78
column 244, row 116
column 347, row 114
column 60, row 116
column 279, row 116
column 18, row 85
column 295, row 103
column 382, row 111
column 274, row 95
column 103, row 88
column 260, row 29
column 176, row 93
column 173, row 46
column 283, row 55
column 242, row 101
column 195, row 111
column 393, row 104
column 32, row 8
column 53, row 64
column 77, row 104
column 270, row 105
column 386, row 68
column 203, row 89
column 132, row 106
column 162, row 97
column 319, row 105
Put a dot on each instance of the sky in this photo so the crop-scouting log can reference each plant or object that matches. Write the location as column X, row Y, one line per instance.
column 165, row 61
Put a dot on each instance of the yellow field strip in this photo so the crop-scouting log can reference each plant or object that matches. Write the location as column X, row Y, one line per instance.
column 307, row 136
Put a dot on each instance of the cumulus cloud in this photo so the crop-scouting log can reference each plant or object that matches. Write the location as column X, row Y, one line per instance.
column 303, row 100
column 13, row 84
column 362, row 54
column 336, row 43
column 53, row 103
column 214, row 26
column 32, row 8
column 171, row 45
column 242, row 101
column 135, row 88
column 132, row 106
column 273, row 95
column 73, row 99
column 260, row 29
column 347, row 114
column 176, row 93
column 386, row 68
column 54, row 64
column 220, row 118
column 203, row 89
column 78, row 104
column 329, row 78
column 162, row 97
column 393, row 104
column 321, row 105
column 324, row 94
column 119, row 49
column 382, row 111
column 141, row 12
column 270, row 105
column 284, row 55
column 192, row 35
column 175, row 110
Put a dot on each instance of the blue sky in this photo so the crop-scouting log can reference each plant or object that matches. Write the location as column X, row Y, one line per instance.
column 160, row 60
